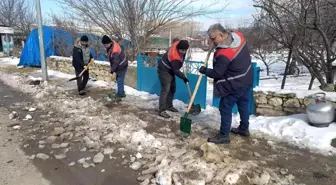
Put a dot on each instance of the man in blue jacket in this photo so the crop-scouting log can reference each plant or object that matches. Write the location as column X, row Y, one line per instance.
column 232, row 74
column 169, row 67
column 81, row 56
column 118, row 63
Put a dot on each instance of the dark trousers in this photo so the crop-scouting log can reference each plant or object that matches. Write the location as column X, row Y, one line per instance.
column 81, row 82
column 168, row 88
column 225, row 107
column 120, row 83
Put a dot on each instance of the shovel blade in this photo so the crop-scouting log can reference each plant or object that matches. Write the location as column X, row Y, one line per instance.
column 185, row 124
column 195, row 109
column 75, row 78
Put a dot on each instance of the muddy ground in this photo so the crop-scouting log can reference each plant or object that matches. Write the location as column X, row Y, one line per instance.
column 308, row 168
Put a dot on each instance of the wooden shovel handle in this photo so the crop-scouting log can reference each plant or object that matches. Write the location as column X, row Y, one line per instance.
column 188, row 86
column 199, row 80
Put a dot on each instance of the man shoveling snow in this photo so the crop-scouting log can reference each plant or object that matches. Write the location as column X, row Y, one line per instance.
column 118, row 62
column 232, row 74
column 81, row 57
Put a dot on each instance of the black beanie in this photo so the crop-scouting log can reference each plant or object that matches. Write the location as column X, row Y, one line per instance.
column 183, row 44
column 106, row 39
column 84, row 38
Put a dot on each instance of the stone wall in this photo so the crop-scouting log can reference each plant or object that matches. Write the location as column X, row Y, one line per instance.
column 274, row 104
column 97, row 70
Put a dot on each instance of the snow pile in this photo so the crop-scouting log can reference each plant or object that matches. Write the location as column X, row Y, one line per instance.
column 295, row 129
column 9, row 61
column 276, row 127
column 184, row 166
column 86, row 111
column 176, row 161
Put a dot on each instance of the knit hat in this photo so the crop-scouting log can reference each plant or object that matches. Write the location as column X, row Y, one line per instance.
column 106, row 39
column 183, row 44
column 84, row 38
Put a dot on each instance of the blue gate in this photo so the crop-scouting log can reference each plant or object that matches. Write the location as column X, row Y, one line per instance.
column 148, row 81
column 256, row 73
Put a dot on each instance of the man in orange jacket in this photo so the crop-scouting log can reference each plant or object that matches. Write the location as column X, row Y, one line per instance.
column 169, row 67
column 118, row 63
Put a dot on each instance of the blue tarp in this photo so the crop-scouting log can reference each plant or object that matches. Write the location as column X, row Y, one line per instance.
column 57, row 42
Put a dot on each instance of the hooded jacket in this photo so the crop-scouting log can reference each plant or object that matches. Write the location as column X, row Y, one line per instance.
column 232, row 70
column 117, row 57
column 81, row 56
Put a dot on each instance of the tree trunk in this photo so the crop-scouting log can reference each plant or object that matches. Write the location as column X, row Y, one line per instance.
column 292, row 67
column 311, row 82
column 330, row 74
column 133, row 53
column 268, row 70
column 289, row 57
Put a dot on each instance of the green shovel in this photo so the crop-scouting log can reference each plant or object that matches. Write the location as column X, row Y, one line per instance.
column 185, row 122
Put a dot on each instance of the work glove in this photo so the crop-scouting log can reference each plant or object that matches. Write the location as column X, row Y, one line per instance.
column 185, row 79
column 92, row 60
column 86, row 68
column 202, row 70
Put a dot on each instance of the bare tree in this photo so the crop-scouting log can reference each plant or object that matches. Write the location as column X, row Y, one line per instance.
column 136, row 20
column 27, row 18
column 308, row 29
column 19, row 14
column 181, row 29
column 10, row 12
column 279, row 28
column 261, row 45
column 60, row 40
column 184, row 30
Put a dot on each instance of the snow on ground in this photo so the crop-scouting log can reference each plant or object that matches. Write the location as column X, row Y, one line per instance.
column 9, row 61
column 293, row 129
column 275, row 69
column 61, row 58
column 294, row 84
column 96, row 61
column 197, row 55
column 97, row 127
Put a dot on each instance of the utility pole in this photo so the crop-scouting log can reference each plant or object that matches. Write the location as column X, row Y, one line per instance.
column 40, row 35
column 170, row 39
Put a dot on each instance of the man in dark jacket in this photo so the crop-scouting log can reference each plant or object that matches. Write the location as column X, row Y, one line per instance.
column 81, row 56
column 232, row 74
column 168, row 67
column 118, row 63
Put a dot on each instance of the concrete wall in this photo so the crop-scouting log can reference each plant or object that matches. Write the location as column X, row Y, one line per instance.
column 99, row 71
